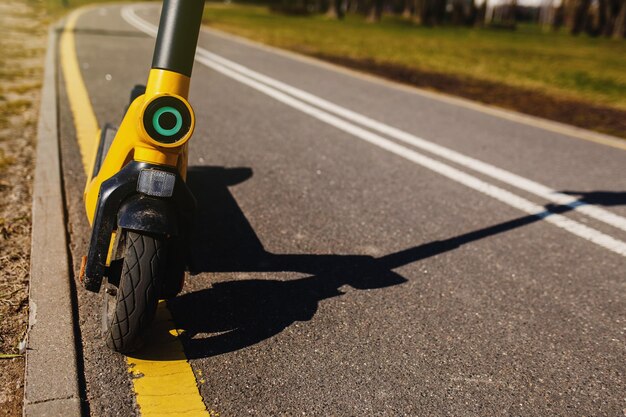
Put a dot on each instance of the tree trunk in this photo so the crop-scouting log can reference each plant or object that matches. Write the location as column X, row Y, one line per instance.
column 407, row 12
column 458, row 12
column 610, row 10
column 512, row 20
column 335, row 9
column 480, row 14
column 619, row 30
column 417, row 11
column 569, row 11
column 438, row 11
column 420, row 12
column 559, row 17
column 546, row 14
column 489, row 10
column 376, row 11
column 473, row 14
column 580, row 16
column 360, row 7
column 604, row 16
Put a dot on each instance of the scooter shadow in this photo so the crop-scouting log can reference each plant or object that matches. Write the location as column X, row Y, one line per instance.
column 236, row 314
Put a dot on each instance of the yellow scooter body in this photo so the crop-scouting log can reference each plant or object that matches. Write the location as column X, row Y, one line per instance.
column 132, row 141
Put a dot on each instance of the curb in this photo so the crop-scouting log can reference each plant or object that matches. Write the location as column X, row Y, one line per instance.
column 51, row 380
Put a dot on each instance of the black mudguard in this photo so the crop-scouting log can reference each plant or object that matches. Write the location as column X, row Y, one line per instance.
column 153, row 215
column 119, row 204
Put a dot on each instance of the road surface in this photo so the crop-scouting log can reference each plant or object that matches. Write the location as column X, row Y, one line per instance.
column 367, row 249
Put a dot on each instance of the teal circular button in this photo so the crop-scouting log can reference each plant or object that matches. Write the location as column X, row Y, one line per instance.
column 160, row 129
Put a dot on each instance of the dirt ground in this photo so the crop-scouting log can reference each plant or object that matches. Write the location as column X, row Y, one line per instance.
column 23, row 30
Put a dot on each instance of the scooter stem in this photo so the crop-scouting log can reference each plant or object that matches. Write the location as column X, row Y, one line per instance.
column 178, row 35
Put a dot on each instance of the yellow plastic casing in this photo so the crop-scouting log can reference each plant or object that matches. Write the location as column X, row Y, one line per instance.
column 132, row 142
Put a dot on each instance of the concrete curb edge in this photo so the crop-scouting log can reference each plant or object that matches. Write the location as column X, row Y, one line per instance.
column 51, row 380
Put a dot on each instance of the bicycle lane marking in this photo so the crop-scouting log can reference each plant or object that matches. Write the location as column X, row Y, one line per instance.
column 606, row 241
column 85, row 122
column 163, row 380
column 204, row 57
column 484, row 168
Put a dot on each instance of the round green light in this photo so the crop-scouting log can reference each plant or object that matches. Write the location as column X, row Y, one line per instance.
column 167, row 132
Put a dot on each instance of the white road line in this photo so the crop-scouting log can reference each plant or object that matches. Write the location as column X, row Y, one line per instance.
column 441, row 151
column 450, row 172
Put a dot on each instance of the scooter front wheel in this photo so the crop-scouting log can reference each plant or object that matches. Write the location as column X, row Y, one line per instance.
column 129, row 309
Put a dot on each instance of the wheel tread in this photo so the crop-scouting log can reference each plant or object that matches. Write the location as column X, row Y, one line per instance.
column 137, row 295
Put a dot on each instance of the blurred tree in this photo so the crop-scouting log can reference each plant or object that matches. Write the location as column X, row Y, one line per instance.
column 375, row 11
column 481, row 11
column 429, row 12
column 608, row 10
column 438, row 11
column 501, row 14
column 547, row 14
column 577, row 12
column 472, row 14
column 605, row 17
column 595, row 17
column 619, row 30
column 422, row 12
column 559, row 17
column 458, row 13
column 335, row 9
column 407, row 10
column 358, row 6
column 418, row 11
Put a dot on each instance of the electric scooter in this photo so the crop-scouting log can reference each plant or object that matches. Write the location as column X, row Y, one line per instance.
column 138, row 204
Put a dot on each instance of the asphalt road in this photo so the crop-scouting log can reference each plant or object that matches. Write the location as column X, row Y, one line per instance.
column 344, row 274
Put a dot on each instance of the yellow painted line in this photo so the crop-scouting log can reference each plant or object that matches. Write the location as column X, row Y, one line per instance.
column 163, row 380
column 85, row 121
column 162, row 377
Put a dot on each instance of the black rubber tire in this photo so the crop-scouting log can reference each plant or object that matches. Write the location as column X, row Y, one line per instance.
column 138, row 293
